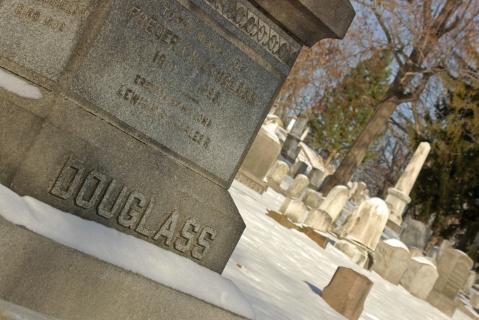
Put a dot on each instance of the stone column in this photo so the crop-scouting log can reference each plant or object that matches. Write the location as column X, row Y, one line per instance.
column 398, row 197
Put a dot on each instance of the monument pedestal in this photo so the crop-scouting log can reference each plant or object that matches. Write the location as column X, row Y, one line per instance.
column 62, row 283
column 397, row 202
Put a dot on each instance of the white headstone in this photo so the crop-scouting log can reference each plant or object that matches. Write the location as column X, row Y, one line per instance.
column 318, row 220
column 313, row 199
column 278, row 172
column 420, row 277
column 299, row 184
column 391, row 259
column 294, row 210
column 367, row 223
column 357, row 254
column 335, row 201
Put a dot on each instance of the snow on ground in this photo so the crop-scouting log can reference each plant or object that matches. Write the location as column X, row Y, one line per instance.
column 20, row 87
column 279, row 271
column 122, row 250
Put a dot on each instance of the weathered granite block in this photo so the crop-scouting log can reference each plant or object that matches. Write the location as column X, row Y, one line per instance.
column 31, row 28
column 18, row 129
column 63, row 283
column 128, row 186
column 162, row 70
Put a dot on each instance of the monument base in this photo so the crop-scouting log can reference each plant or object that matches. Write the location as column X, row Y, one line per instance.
column 358, row 254
column 394, row 225
column 251, row 181
column 59, row 282
column 445, row 304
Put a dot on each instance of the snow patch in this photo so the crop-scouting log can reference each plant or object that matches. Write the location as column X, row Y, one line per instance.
column 396, row 243
column 18, row 86
column 424, row 260
column 124, row 251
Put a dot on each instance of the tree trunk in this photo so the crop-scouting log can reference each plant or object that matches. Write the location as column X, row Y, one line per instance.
column 358, row 151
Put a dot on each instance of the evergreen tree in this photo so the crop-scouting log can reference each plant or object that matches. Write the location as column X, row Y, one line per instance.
column 448, row 186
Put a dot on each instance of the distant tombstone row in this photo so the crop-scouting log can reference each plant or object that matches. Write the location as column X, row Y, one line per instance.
column 454, row 270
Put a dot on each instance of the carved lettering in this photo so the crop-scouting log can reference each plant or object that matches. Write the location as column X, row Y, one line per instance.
column 132, row 208
column 132, row 211
column 188, row 233
column 207, row 236
column 68, row 180
column 108, row 210
column 168, row 229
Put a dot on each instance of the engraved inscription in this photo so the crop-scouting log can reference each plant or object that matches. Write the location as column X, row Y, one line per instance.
column 41, row 34
column 258, row 29
column 162, row 71
column 131, row 209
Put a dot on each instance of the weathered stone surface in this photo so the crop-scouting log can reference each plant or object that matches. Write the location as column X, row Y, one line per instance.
column 359, row 194
column 347, row 291
column 312, row 199
column 10, row 311
column 63, row 283
column 318, row 220
column 367, row 223
column 294, row 210
column 420, row 277
column 128, row 186
column 391, row 259
column 30, row 29
column 277, row 173
column 356, row 253
column 317, row 177
column 18, row 129
column 178, row 82
column 414, row 234
column 335, row 201
column 297, row 187
column 260, row 158
column 311, row 20
column 444, row 304
column 454, row 268
column 475, row 300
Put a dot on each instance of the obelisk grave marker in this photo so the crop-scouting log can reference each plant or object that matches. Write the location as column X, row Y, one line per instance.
column 147, row 109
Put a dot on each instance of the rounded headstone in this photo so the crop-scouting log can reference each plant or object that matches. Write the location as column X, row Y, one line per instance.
column 391, row 259
column 367, row 223
column 420, row 276
column 278, row 172
column 335, row 201
column 313, row 199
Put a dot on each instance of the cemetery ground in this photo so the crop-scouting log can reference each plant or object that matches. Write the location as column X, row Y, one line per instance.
column 281, row 271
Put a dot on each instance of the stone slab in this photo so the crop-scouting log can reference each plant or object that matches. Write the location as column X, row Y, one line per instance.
column 63, row 283
column 128, row 186
column 311, row 20
column 347, row 292
column 161, row 69
column 18, row 129
column 31, row 28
